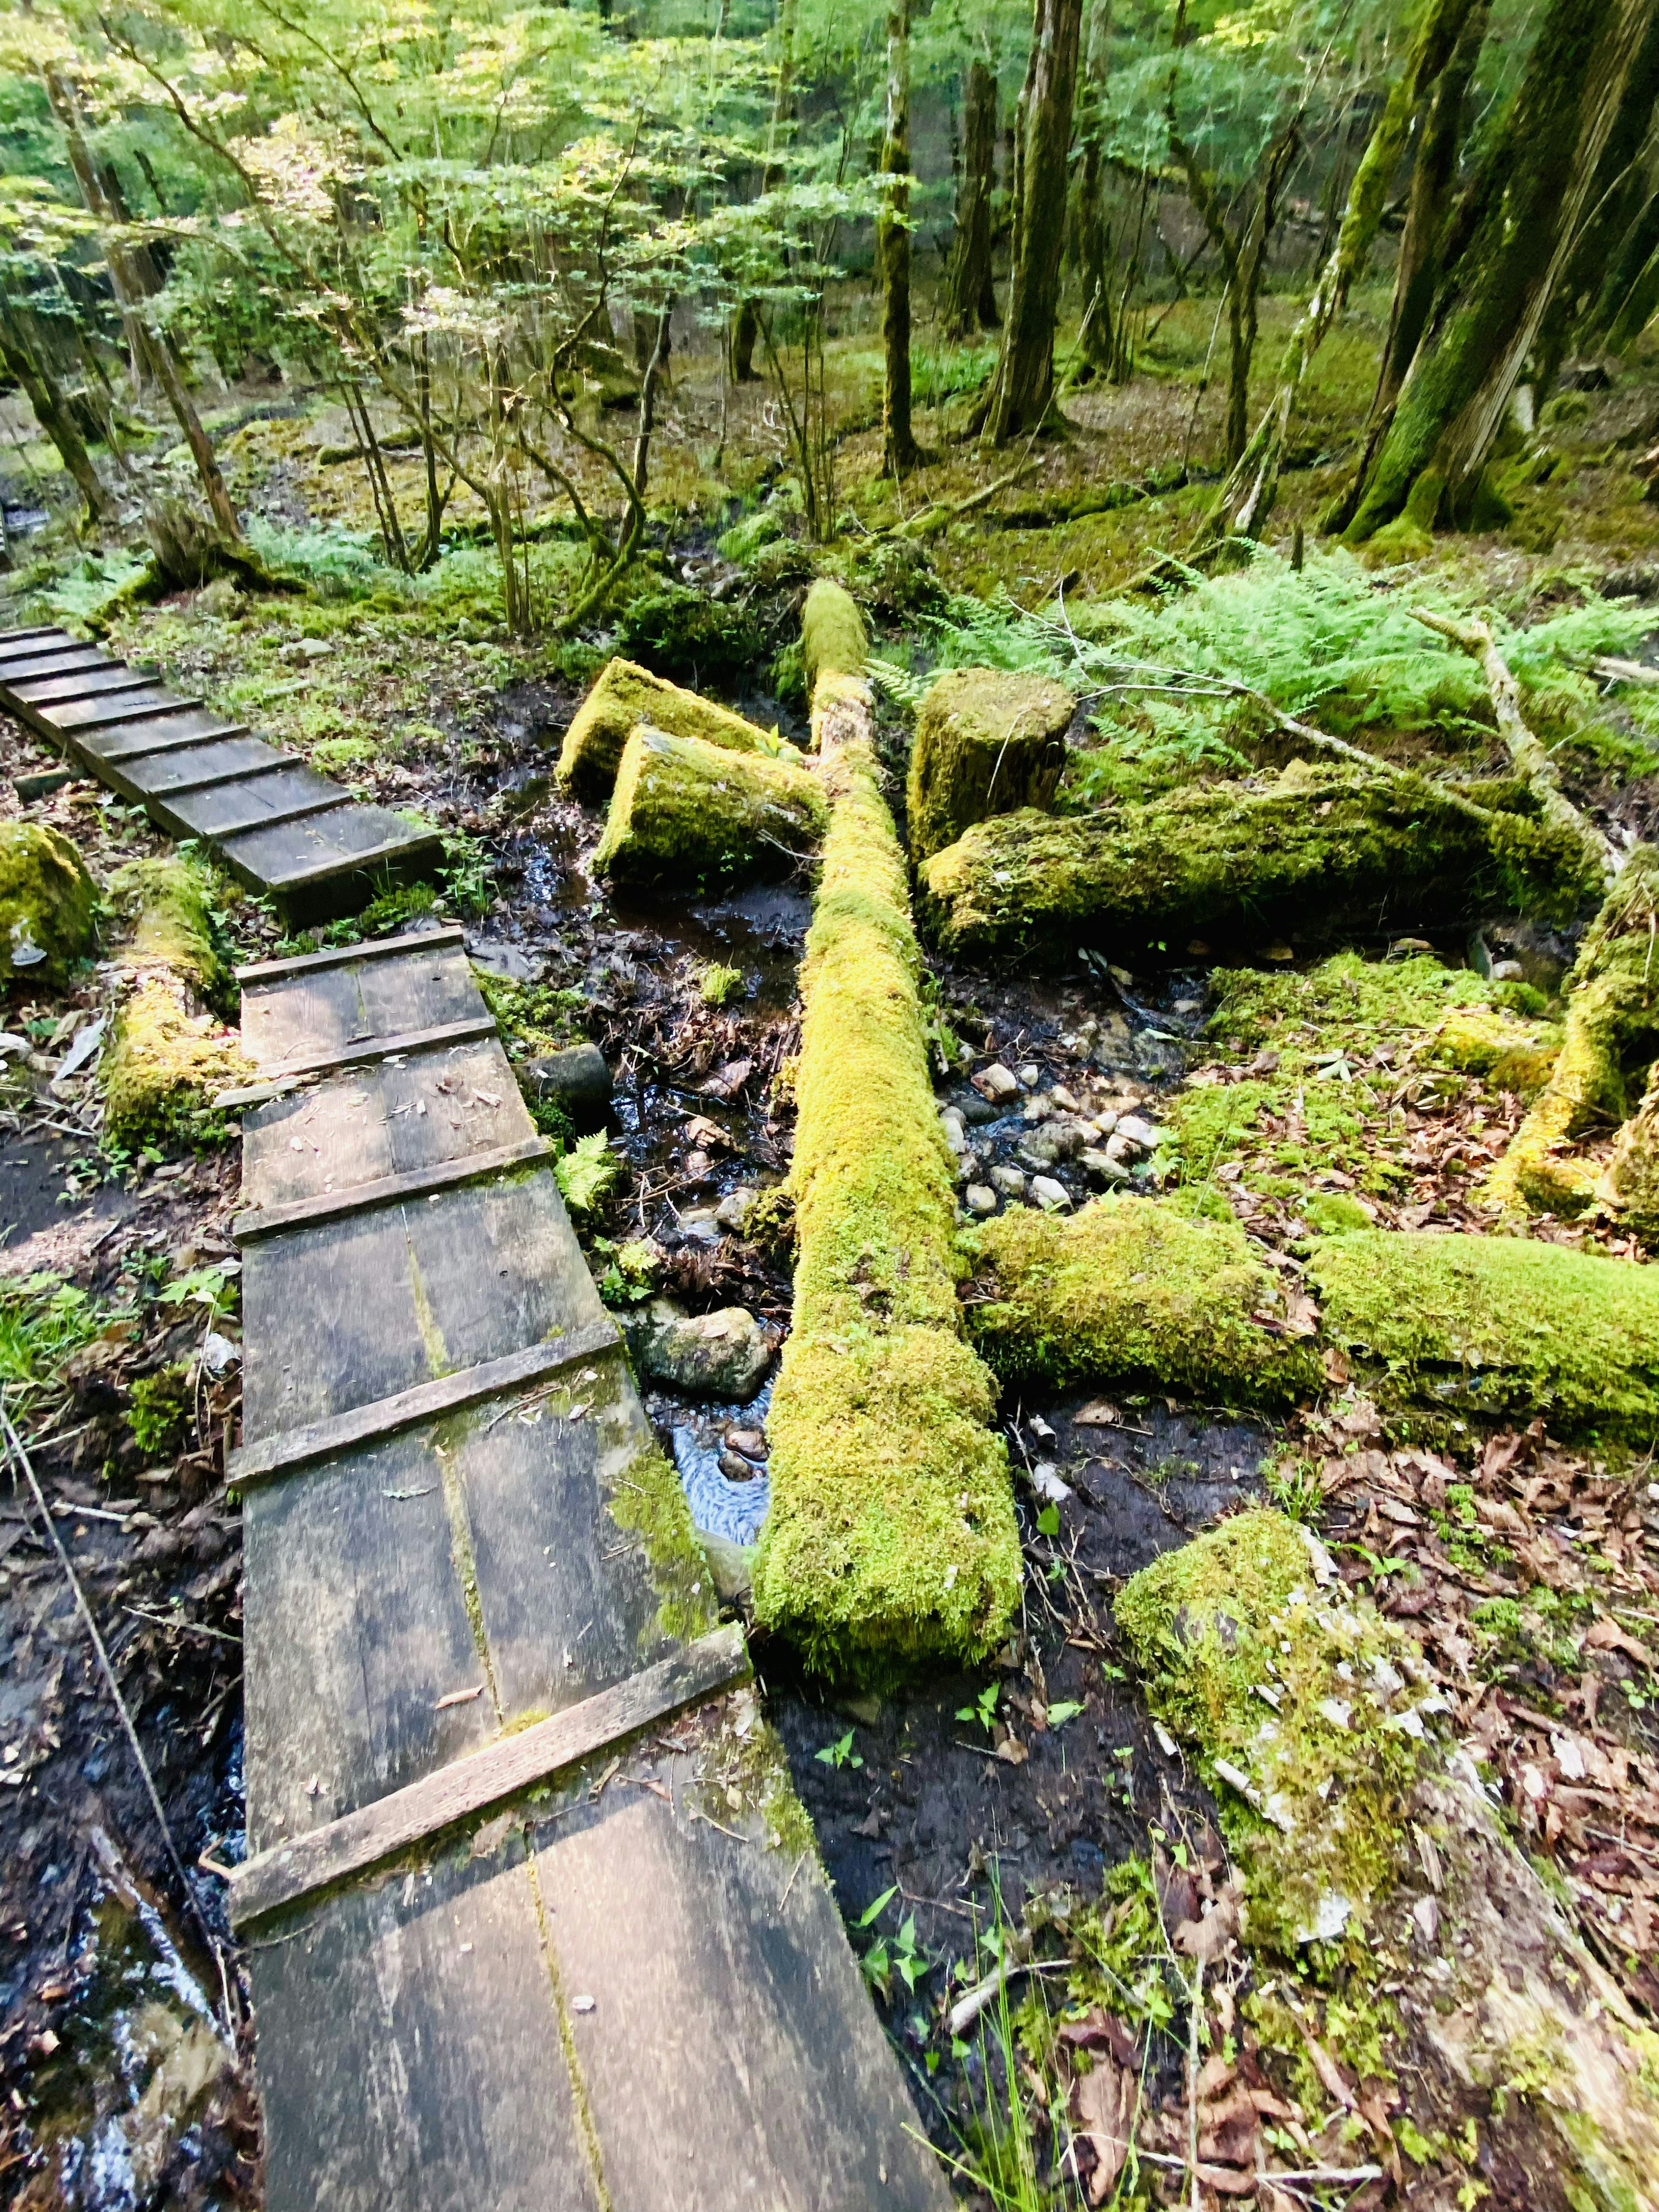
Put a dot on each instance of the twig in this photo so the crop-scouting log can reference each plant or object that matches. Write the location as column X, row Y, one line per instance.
column 1193, row 2028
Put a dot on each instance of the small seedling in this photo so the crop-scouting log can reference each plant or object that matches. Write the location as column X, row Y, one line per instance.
column 1048, row 1521
column 838, row 1755
column 983, row 1709
column 1067, row 1710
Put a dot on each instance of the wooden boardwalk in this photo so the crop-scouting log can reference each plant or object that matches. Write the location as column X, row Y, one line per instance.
column 532, row 1913
column 278, row 826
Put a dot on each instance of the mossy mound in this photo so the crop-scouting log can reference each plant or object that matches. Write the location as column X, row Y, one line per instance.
column 1611, row 1030
column 987, row 742
column 1238, row 861
column 48, row 904
column 1633, row 1180
column 168, row 907
column 891, row 1537
column 1298, row 1699
column 687, row 817
column 686, row 633
column 1517, row 1056
column 624, row 695
column 1130, row 1290
column 163, row 1062
column 833, row 642
column 1496, row 1326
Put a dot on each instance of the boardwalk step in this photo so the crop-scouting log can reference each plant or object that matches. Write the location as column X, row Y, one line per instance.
column 388, row 1190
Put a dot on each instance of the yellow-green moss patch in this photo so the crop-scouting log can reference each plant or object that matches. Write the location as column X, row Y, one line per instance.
column 686, row 817
column 163, row 1062
column 647, row 1498
column 166, row 906
column 891, row 1534
column 625, row 695
column 1496, row 1325
column 833, row 642
column 987, row 742
column 1128, row 1289
column 48, row 903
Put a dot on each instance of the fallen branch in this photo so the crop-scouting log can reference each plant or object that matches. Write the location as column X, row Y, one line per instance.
column 938, row 513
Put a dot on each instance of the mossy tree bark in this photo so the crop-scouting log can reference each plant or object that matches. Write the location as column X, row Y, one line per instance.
column 745, row 327
column 969, row 294
column 27, row 366
column 1629, row 291
column 1524, row 208
column 893, row 251
column 1094, row 242
column 1025, row 385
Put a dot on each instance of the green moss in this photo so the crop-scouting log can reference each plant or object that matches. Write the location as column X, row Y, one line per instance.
column 892, row 1535
column 160, row 1407
column 1495, row 1325
column 988, row 741
column 625, row 696
column 686, row 816
column 1516, row 1056
column 1241, row 861
column 1633, row 1180
column 1333, row 1212
column 1128, row 1291
column 161, row 1066
column 691, row 634
column 647, row 1498
column 833, row 642
column 48, row 904
column 167, row 906
column 1312, row 1777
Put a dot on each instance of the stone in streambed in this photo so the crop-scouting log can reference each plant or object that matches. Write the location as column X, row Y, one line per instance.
column 576, row 1080
column 717, row 1355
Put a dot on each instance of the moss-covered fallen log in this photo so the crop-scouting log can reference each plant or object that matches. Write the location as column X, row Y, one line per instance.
column 624, row 695
column 1130, row 1291
column 688, row 817
column 987, row 742
column 1236, row 861
column 1612, row 1028
column 1133, row 1291
column 167, row 1051
column 892, row 1535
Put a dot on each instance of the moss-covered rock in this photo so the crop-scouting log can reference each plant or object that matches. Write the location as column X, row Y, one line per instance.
column 1632, row 1178
column 1517, row 1056
column 167, row 908
column 833, row 642
column 1130, row 1290
column 987, row 742
column 164, row 1059
column 624, row 695
column 686, row 633
column 685, row 815
column 1237, row 861
column 1612, row 1028
column 48, row 904
column 1496, row 1325
column 1298, row 1698
column 892, row 1535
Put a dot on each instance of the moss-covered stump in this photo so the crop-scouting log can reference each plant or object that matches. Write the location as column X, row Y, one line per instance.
column 48, row 904
column 832, row 639
column 1496, row 1326
column 1239, row 860
column 1129, row 1290
column 1612, row 1027
column 987, row 742
column 892, row 1535
column 168, row 1053
column 166, row 909
column 625, row 695
column 686, row 817
column 1632, row 1178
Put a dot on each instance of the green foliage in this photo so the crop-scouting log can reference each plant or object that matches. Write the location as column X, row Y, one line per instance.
column 685, row 634
column 42, row 1320
column 160, row 1407
column 588, row 1173
column 717, row 984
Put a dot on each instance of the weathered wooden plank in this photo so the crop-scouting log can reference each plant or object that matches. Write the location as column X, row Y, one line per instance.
column 379, row 1048
column 409, row 2054
column 794, row 2103
column 106, row 679
column 59, row 663
column 388, row 1190
column 87, row 714
column 10, row 638
column 339, row 1004
column 358, row 839
column 294, row 1449
column 180, row 777
column 347, row 955
column 487, row 1778
column 164, row 733
column 227, row 810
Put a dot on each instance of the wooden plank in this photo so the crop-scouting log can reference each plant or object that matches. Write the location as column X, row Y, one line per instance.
column 361, row 841
column 229, row 810
column 58, row 661
column 379, row 1048
column 346, row 956
column 108, row 681
column 410, row 2052
column 13, row 637
column 493, row 1776
column 388, row 1190
column 69, row 720
column 193, row 777
column 285, row 1453
column 347, row 1003
column 221, row 760
column 195, row 726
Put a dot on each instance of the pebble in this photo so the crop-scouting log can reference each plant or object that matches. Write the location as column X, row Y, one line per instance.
column 1138, row 1132
column 955, row 1135
column 1030, row 1076
column 995, row 1082
column 1052, row 1197
column 1061, row 1097
column 736, row 1468
column 734, row 1209
column 752, row 1442
column 1040, row 1150
column 718, row 1355
column 1100, row 1163
column 978, row 1197
column 702, row 1227
column 1008, row 1180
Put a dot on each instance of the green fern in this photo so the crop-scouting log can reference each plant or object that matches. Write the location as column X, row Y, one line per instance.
column 587, row 1172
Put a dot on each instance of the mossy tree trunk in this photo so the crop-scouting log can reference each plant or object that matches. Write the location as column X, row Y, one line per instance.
column 745, row 327
column 893, row 251
column 1094, row 243
column 27, row 366
column 970, row 297
column 1629, row 291
column 1524, row 210
column 1025, row 385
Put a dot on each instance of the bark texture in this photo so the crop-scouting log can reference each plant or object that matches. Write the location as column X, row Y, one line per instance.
column 1094, row 243
column 893, row 249
column 28, row 366
column 969, row 294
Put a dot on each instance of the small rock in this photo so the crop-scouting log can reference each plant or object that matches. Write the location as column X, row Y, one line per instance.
column 1426, row 1913
column 1039, row 1150
column 1052, row 1197
column 734, row 1209
column 735, row 1467
column 1061, row 1097
column 729, row 1567
column 978, row 1197
column 1069, row 1137
column 1008, row 1180
column 717, row 1355
column 1097, row 1163
column 1508, row 971
column 702, row 1227
column 1137, row 1131
column 995, row 1082
column 955, row 1135
column 1030, row 1076
column 577, row 1080
column 752, row 1442
column 1045, row 1480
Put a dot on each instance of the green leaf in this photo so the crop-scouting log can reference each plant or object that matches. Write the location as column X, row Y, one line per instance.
column 873, row 1912
column 1067, row 1710
column 1048, row 1521
column 586, row 1172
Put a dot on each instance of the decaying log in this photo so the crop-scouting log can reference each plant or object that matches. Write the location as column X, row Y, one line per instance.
column 687, row 817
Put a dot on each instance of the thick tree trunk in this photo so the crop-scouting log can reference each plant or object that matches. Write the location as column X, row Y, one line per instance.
column 970, row 295
column 1531, row 199
column 893, row 249
column 24, row 363
column 1631, row 291
column 1093, row 238
column 1024, row 382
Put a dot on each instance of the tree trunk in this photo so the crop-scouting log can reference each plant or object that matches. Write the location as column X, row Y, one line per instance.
column 26, row 364
column 969, row 294
column 1024, row 384
column 1093, row 239
column 745, row 329
column 1630, row 293
column 893, row 249
column 1531, row 198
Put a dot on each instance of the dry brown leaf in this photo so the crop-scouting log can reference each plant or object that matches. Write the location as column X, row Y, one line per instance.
column 1103, row 2101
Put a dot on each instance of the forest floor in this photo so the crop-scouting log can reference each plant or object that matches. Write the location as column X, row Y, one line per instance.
column 1034, row 1811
